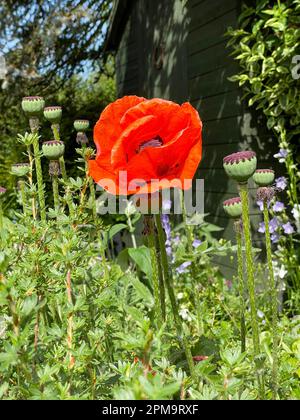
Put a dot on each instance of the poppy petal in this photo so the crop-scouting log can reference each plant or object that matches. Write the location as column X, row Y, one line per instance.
column 108, row 128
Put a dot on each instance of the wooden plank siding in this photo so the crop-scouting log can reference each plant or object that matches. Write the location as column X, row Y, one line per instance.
column 190, row 35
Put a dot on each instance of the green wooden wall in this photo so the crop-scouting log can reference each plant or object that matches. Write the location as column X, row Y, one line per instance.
column 189, row 38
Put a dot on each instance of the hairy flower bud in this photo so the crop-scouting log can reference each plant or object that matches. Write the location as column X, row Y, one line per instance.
column 265, row 194
column 54, row 168
column 81, row 138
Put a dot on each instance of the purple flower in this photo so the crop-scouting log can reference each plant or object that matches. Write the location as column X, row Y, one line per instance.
column 278, row 207
column 281, row 155
column 260, row 204
column 165, row 220
column 288, row 228
column 262, row 227
column 169, row 251
column 275, row 238
column 183, row 267
column 281, row 183
column 166, row 225
column 274, row 225
column 177, row 240
column 197, row 243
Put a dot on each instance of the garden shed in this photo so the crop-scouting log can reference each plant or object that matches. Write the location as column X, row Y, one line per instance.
column 176, row 49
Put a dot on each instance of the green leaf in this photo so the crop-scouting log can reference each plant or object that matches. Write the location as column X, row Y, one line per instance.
column 142, row 291
column 116, row 229
column 141, row 256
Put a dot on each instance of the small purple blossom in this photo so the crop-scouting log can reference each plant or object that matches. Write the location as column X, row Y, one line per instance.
column 278, row 207
column 281, row 183
column 183, row 267
column 260, row 204
column 281, row 155
column 274, row 225
column 176, row 240
column 288, row 228
column 262, row 227
column 275, row 238
column 166, row 225
column 165, row 220
column 197, row 243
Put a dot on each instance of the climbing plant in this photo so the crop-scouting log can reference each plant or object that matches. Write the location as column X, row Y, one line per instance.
column 267, row 46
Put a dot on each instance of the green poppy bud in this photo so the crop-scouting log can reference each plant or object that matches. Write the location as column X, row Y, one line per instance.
column 233, row 207
column 33, row 105
column 81, row 125
column 53, row 150
column 53, row 114
column 20, row 169
column 240, row 166
column 264, row 177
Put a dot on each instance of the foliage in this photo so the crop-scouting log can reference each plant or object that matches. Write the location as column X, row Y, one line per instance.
column 46, row 41
column 54, row 48
column 89, row 97
column 266, row 45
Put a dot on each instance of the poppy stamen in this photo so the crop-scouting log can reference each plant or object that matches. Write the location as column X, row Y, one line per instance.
column 155, row 142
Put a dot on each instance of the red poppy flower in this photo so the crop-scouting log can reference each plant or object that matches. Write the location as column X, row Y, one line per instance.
column 139, row 141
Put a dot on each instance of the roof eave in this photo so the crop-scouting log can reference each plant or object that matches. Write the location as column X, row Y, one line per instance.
column 119, row 16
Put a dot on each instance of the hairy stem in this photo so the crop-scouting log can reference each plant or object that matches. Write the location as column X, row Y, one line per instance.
column 1, row 216
column 241, row 283
column 23, row 196
column 155, row 269
column 243, row 188
column 274, row 304
column 55, row 192
column 162, row 292
column 34, row 125
column 70, row 321
column 93, row 199
column 30, row 180
column 169, row 284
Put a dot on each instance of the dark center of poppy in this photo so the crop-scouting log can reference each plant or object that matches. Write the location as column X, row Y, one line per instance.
column 155, row 142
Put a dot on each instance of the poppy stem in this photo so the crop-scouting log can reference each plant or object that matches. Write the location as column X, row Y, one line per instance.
column 169, row 284
column 162, row 292
column 70, row 320
column 241, row 283
column 30, row 181
column 23, row 195
column 189, row 229
column 1, row 217
column 155, row 269
column 274, row 304
column 34, row 126
column 243, row 190
column 93, row 198
column 55, row 192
